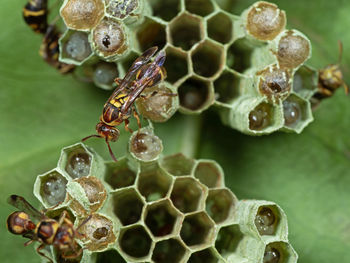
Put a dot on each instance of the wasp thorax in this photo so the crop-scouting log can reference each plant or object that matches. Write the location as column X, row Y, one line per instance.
column 53, row 188
column 82, row 14
column 265, row 221
column 265, row 21
column 105, row 73
column 77, row 47
column 121, row 8
column 292, row 112
column 109, row 38
column 161, row 106
column 271, row 255
column 78, row 164
column 293, row 50
column 274, row 83
column 331, row 76
column 146, row 146
column 260, row 117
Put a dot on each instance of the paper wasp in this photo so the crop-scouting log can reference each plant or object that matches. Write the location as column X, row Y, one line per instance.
column 330, row 79
column 35, row 15
column 59, row 233
column 119, row 106
column 49, row 50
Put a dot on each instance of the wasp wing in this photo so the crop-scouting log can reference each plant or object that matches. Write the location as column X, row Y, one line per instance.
column 21, row 204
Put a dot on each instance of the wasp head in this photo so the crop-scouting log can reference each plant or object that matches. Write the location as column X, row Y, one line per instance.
column 108, row 132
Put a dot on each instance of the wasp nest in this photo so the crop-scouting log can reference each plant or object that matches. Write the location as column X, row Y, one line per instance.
column 249, row 66
column 148, row 208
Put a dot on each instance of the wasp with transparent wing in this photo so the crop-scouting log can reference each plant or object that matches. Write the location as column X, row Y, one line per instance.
column 36, row 226
column 119, row 107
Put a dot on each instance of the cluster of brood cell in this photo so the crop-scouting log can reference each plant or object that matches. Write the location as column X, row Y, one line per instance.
column 145, row 208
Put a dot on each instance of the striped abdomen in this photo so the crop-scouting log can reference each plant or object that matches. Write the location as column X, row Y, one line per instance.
column 35, row 15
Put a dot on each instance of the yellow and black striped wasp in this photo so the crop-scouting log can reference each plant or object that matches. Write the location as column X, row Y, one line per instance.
column 35, row 15
column 59, row 233
column 119, row 107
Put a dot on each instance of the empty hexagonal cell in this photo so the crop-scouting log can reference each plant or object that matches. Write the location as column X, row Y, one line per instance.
column 199, row 7
column 220, row 28
column 279, row 252
column 127, row 206
column 177, row 164
column 265, row 21
column 187, row 194
column 239, row 56
column 97, row 232
column 170, row 250
column 197, row 229
column 261, row 117
column 104, row 74
column 305, row 81
column 154, row 184
column 297, row 113
column 151, row 33
column 52, row 188
column 120, row 174
column 274, row 83
column 145, row 146
column 176, row 64
column 227, row 5
column 208, row 59
column 186, row 30
column 220, row 203
column 228, row 240
column 121, row 8
column 209, row 173
column 267, row 220
column 161, row 105
column 293, row 49
column 82, row 14
column 166, row 10
column 196, row 94
column 109, row 39
column 162, row 219
column 208, row 255
column 94, row 191
column 135, row 241
column 75, row 47
column 108, row 256
column 226, row 86
column 77, row 161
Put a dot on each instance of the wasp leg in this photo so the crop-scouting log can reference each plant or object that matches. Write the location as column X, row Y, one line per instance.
column 325, row 91
column 137, row 117
column 75, row 253
column 127, row 126
column 28, row 242
column 41, row 253
column 118, row 81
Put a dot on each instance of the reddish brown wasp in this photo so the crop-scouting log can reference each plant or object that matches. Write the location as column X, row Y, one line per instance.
column 59, row 233
column 119, row 106
column 330, row 79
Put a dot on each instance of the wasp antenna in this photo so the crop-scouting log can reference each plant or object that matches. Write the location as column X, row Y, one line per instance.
column 84, row 222
column 346, row 88
column 110, row 151
column 340, row 45
column 90, row 136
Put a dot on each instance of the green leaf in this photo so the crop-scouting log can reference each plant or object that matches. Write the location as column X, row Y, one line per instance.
column 308, row 174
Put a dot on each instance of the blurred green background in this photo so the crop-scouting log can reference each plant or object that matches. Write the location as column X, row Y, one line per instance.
column 308, row 175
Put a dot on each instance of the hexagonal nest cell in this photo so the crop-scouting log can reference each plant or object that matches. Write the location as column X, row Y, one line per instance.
column 127, row 206
column 239, row 56
column 75, row 47
column 199, row 7
column 151, row 33
column 228, row 240
column 176, row 64
column 197, row 230
column 185, row 31
column 177, row 164
column 145, row 146
column 226, row 87
column 267, row 220
column 53, row 188
column 154, row 184
column 305, row 81
column 279, row 252
column 161, row 218
column 220, row 28
column 170, row 250
column 78, row 162
column 119, row 175
column 206, row 255
column 219, row 204
column 295, row 111
column 187, row 194
column 209, row 174
column 205, row 54
column 107, row 256
column 135, row 241
column 165, row 10
column 195, row 94
column 261, row 117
